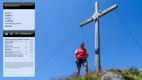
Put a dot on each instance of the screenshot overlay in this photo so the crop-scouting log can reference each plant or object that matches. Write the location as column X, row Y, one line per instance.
column 18, row 39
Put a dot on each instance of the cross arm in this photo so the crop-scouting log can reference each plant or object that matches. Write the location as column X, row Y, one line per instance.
column 95, row 16
column 89, row 20
column 109, row 9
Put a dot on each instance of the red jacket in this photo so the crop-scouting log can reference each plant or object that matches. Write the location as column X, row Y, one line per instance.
column 81, row 53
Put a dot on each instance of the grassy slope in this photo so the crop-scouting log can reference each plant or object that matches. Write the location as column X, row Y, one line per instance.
column 129, row 74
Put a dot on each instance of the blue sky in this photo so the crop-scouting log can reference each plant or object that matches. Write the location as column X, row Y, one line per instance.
column 58, row 35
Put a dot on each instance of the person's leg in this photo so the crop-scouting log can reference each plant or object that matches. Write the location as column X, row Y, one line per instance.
column 78, row 68
column 85, row 67
column 78, row 71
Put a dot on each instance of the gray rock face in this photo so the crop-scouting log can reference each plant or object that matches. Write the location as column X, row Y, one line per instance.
column 111, row 76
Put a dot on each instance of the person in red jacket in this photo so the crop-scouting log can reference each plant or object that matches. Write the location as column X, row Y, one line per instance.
column 81, row 56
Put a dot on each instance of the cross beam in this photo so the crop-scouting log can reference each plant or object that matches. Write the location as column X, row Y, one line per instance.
column 95, row 18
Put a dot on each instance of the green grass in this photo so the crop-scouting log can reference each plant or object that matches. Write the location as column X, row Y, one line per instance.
column 129, row 74
column 132, row 74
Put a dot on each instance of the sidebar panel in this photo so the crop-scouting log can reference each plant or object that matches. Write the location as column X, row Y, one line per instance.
column 18, row 39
